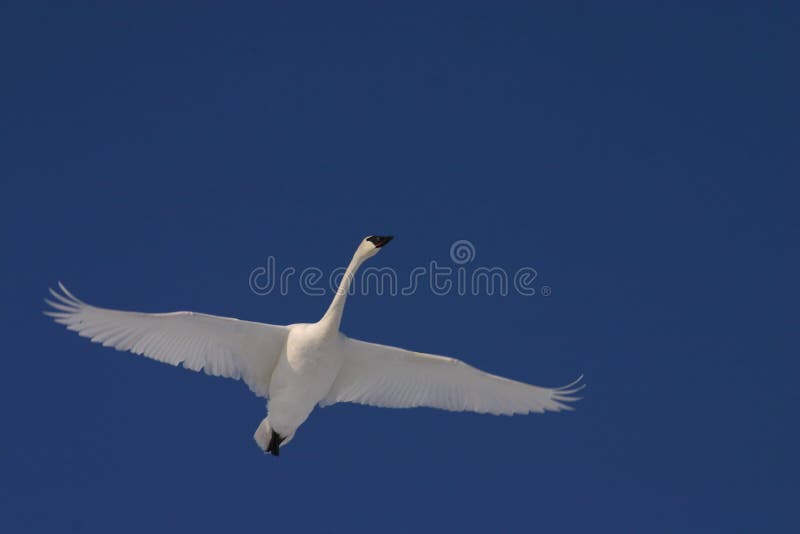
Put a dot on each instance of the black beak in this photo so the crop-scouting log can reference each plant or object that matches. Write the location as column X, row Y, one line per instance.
column 380, row 240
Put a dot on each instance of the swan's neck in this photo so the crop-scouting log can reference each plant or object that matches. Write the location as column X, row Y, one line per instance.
column 333, row 317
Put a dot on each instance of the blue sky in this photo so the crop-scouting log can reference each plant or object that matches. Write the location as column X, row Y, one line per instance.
column 642, row 158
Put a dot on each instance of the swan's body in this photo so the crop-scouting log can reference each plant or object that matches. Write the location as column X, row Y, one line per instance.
column 300, row 366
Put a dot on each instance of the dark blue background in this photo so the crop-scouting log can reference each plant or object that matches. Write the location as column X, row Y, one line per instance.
column 642, row 158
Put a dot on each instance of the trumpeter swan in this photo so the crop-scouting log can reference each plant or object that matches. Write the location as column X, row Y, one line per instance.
column 302, row 365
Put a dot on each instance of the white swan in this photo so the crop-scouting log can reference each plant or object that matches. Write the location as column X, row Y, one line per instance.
column 301, row 365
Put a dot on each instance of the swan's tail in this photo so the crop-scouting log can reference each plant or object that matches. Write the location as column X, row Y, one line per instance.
column 269, row 440
column 263, row 434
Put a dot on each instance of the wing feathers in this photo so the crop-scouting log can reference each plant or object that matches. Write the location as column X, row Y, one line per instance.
column 372, row 374
column 379, row 375
column 218, row 345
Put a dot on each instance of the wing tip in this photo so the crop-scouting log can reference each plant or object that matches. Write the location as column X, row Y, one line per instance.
column 565, row 394
column 64, row 302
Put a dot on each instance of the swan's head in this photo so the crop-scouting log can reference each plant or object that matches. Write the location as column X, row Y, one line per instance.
column 372, row 244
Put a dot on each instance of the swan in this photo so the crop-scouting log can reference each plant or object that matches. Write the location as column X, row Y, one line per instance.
column 299, row 366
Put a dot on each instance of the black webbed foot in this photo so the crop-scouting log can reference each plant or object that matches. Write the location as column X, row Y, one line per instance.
column 274, row 446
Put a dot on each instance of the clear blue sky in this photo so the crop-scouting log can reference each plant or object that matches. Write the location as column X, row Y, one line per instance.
column 643, row 158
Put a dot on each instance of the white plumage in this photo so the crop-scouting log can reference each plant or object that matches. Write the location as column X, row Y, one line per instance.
column 218, row 345
column 389, row 377
column 299, row 366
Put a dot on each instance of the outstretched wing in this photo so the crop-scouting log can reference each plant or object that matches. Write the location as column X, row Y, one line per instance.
column 218, row 345
column 389, row 377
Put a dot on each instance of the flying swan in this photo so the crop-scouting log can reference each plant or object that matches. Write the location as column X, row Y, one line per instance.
column 301, row 365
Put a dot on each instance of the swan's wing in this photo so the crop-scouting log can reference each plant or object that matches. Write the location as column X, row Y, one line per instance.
column 218, row 345
column 390, row 377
